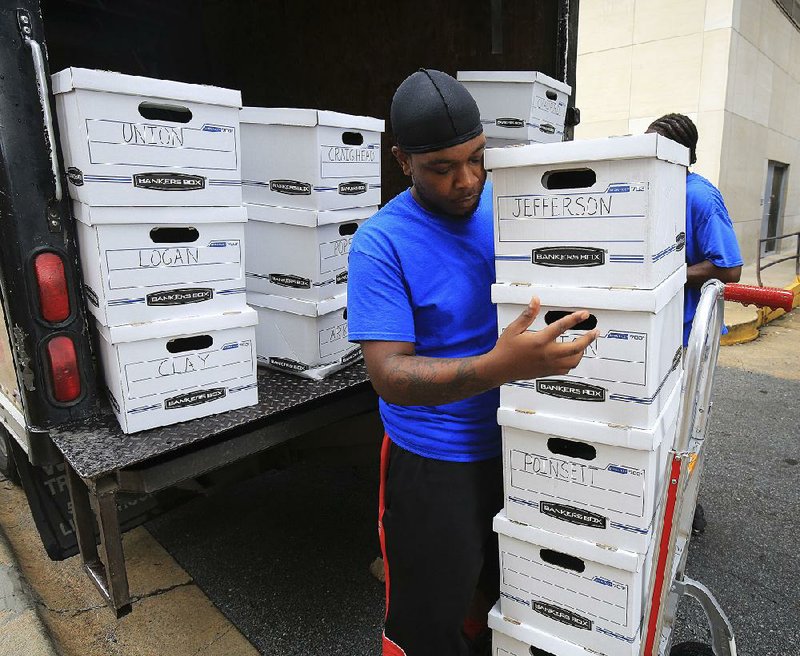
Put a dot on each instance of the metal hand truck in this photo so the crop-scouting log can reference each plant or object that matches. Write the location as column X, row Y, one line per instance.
column 668, row 580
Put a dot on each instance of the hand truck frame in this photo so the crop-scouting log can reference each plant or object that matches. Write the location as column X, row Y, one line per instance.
column 668, row 580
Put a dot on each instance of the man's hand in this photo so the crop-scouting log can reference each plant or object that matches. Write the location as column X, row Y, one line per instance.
column 404, row 378
column 520, row 354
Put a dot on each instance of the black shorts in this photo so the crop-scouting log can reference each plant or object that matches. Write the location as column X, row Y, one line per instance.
column 435, row 525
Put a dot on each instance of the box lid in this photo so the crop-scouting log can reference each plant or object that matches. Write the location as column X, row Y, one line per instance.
column 613, row 434
column 200, row 325
column 532, row 637
column 308, row 118
column 296, row 305
column 95, row 80
column 609, row 556
column 593, row 298
column 308, row 218
column 92, row 215
column 589, row 150
column 527, row 77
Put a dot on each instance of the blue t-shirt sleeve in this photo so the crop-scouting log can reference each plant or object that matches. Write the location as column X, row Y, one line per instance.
column 378, row 303
column 717, row 239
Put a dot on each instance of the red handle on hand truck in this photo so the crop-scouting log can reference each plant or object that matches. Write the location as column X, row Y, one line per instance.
column 773, row 297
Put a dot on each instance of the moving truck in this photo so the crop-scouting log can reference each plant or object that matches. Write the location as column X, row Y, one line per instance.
column 349, row 57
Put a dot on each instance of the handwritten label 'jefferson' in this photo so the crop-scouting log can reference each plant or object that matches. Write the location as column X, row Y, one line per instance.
column 546, row 207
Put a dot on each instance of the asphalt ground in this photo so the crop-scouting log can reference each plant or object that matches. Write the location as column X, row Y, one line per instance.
column 285, row 555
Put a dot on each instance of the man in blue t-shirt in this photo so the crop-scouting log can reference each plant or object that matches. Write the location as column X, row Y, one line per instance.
column 712, row 251
column 419, row 303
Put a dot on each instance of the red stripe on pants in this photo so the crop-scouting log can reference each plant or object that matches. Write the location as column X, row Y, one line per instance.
column 389, row 647
column 387, row 443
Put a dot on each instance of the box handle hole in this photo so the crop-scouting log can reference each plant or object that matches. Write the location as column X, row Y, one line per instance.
column 352, row 138
column 562, row 560
column 170, row 113
column 535, row 651
column 590, row 323
column 348, row 229
column 551, row 95
column 172, row 235
column 196, row 343
column 569, row 179
column 571, row 449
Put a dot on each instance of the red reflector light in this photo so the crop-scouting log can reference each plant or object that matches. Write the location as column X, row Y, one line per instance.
column 64, row 374
column 52, row 281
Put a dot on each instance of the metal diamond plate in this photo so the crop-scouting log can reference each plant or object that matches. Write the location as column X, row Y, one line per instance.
column 97, row 446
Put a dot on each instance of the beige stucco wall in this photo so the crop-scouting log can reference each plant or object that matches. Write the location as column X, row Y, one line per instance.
column 762, row 117
column 733, row 66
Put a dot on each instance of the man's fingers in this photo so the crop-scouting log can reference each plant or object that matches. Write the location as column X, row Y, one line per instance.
column 524, row 320
column 581, row 343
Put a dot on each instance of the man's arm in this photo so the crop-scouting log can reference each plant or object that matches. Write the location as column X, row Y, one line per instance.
column 404, row 378
column 698, row 274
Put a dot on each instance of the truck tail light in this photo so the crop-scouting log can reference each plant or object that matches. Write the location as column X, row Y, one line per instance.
column 64, row 373
column 53, row 292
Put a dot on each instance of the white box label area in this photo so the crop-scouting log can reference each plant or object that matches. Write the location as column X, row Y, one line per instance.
column 305, row 338
column 310, row 159
column 575, row 590
column 519, row 104
column 166, row 372
column 617, row 218
column 627, row 374
column 597, row 482
column 300, row 253
column 131, row 140
column 154, row 263
column 513, row 638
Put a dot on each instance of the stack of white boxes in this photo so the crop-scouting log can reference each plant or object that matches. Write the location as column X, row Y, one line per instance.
column 596, row 225
column 518, row 107
column 153, row 170
column 310, row 178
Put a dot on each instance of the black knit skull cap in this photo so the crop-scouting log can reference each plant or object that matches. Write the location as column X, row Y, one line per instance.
column 431, row 111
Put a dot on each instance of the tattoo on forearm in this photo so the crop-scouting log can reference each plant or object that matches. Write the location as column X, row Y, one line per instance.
column 434, row 381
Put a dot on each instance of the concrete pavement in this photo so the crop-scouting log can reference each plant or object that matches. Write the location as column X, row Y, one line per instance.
column 21, row 627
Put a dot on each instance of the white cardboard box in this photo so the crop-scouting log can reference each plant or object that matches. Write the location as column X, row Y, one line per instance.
column 513, row 638
column 152, row 263
column 594, row 481
column 627, row 374
column 300, row 253
column 575, row 590
column 306, row 338
column 164, row 372
column 524, row 105
column 597, row 213
column 310, row 159
column 131, row 140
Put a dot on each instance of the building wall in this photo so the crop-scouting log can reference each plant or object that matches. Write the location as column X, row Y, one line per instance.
column 762, row 118
column 730, row 65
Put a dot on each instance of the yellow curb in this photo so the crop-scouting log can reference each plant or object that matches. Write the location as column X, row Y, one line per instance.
column 742, row 333
column 765, row 315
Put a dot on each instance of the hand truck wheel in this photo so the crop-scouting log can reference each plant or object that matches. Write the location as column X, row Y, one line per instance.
column 691, row 649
